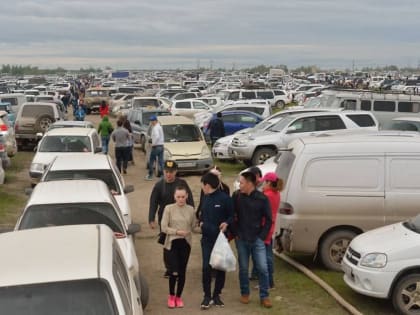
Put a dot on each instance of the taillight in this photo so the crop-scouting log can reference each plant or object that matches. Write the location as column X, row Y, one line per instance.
column 119, row 235
column 2, row 147
column 286, row 208
column 16, row 126
column 3, row 128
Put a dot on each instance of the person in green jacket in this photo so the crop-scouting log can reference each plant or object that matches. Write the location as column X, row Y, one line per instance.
column 105, row 129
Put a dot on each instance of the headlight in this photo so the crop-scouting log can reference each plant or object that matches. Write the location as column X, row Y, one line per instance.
column 242, row 142
column 374, row 260
column 205, row 152
column 37, row 167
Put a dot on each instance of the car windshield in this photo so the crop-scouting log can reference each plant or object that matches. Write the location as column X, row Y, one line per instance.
column 279, row 126
column 65, row 144
column 140, row 103
column 37, row 216
column 181, row 133
column 107, row 176
column 90, row 296
column 413, row 224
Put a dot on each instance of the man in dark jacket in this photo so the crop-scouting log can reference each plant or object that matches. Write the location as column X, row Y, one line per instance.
column 216, row 214
column 216, row 128
column 163, row 193
column 253, row 222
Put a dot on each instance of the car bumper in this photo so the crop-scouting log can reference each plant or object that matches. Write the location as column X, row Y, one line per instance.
column 367, row 281
column 221, row 152
column 241, row 153
column 199, row 165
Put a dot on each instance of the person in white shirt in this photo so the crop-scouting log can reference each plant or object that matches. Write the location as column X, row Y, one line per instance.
column 157, row 147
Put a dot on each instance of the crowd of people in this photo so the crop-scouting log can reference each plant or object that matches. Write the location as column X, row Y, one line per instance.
column 247, row 217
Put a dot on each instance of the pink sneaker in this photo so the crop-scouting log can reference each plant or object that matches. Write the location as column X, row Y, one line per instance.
column 179, row 302
column 171, row 301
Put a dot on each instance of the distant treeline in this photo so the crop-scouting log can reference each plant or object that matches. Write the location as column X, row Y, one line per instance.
column 17, row 70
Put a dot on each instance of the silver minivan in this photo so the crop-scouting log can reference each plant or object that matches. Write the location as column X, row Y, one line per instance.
column 339, row 186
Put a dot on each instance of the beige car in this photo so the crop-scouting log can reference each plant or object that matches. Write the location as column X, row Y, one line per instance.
column 189, row 108
column 185, row 144
column 94, row 97
column 35, row 118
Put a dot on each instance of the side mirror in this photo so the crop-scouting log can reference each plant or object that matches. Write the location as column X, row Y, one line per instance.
column 98, row 149
column 128, row 189
column 137, row 122
column 133, row 228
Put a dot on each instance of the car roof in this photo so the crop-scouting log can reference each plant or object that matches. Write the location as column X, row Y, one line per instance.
column 72, row 131
column 329, row 113
column 245, row 112
column 82, row 124
column 51, row 254
column 81, row 162
column 170, row 120
column 70, row 191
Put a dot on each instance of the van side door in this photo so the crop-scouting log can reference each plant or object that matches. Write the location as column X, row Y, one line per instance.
column 402, row 188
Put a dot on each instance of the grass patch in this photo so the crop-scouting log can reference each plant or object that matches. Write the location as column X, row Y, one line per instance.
column 364, row 304
column 230, row 168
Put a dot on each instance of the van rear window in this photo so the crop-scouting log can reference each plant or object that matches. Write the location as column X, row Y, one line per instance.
column 362, row 120
column 408, row 107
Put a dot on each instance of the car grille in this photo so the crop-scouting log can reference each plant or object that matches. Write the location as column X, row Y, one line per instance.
column 353, row 256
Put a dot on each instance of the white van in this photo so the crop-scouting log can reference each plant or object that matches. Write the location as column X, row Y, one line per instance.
column 339, row 186
column 15, row 99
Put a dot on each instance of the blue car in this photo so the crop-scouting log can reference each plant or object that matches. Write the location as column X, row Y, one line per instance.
column 7, row 107
column 236, row 120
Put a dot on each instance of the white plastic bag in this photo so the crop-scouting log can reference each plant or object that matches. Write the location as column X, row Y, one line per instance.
column 222, row 257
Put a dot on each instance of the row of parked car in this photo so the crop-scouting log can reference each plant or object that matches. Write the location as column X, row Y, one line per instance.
column 78, row 226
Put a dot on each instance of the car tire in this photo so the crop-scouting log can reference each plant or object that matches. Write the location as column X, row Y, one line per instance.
column 333, row 248
column 261, row 155
column 144, row 290
column 405, row 294
column 42, row 123
column 280, row 104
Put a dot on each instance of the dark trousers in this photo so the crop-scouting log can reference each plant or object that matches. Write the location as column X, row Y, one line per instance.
column 121, row 155
column 177, row 259
column 206, row 248
column 156, row 153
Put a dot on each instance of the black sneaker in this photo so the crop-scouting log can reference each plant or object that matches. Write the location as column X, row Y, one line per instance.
column 217, row 301
column 206, row 303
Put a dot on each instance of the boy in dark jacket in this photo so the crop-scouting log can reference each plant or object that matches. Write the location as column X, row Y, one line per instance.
column 216, row 214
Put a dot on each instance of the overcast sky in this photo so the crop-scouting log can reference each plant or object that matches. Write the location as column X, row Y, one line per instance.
column 145, row 34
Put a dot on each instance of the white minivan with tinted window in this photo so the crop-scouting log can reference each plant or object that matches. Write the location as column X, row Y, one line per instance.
column 337, row 187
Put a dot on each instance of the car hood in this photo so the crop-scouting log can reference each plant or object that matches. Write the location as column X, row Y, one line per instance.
column 185, row 148
column 396, row 241
column 47, row 157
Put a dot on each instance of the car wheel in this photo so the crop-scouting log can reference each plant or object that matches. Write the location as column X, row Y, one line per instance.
column 334, row 246
column 42, row 123
column 280, row 104
column 261, row 155
column 406, row 294
column 144, row 290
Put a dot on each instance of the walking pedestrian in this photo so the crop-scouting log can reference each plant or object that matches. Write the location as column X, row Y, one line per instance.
column 253, row 223
column 127, row 125
column 216, row 128
column 163, row 194
column 272, row 186
column 104, row 109
column 216, row 215
column 156, row 152
column 121, row 136
column 105, row 129
column 178, row 222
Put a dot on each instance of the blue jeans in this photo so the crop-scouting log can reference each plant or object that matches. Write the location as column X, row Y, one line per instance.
column 270, row 263
column 157, row 152
column 105, row 143
column 257, row 251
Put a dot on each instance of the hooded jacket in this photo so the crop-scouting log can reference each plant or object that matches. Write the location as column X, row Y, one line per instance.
column 105, row 127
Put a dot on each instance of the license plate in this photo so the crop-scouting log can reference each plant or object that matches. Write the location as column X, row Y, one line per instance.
column 186, row 164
